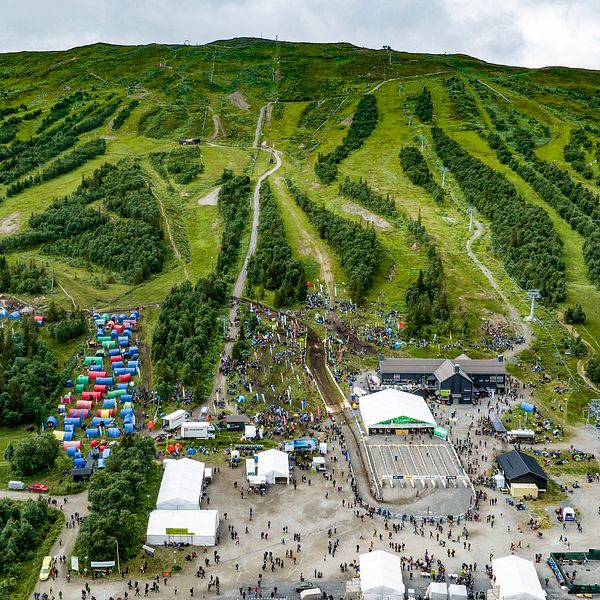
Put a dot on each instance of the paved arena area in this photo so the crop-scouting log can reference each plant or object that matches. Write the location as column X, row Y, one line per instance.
column 408, row 468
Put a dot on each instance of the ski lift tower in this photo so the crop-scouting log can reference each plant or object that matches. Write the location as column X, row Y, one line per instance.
column 533, row 295
column 421, row 138
column 470, row 212
column 444, row 171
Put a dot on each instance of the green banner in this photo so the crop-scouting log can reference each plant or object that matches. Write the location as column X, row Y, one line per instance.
column 177, row 531
column 440, row 432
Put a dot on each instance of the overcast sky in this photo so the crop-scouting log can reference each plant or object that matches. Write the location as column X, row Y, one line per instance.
column 532, row 33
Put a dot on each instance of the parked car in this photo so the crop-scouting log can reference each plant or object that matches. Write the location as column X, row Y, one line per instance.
column 38, row 488
column 46, row 567
column 304, row 585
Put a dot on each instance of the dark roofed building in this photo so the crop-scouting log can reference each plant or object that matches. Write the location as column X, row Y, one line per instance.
column 522, row 468
column 457, row 380
column 235, row 422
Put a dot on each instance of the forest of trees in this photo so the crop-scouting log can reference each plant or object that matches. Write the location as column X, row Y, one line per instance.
column 23, row 277
column 364, row 122
column 132, row 246
column 365, row 195
column 69, row 162
column 424, row 106
column 573, row 202
column 416, row 169
column 358, row 249
column 35, row 455
column 574, row 315
column 234, row 208
column 28, row 376
column 463, row 103
column 523, row 234
column 184, row 164
column 575, row 149
column 117, row 501
column 273, row 267
column 24, row 525
column 123, row 114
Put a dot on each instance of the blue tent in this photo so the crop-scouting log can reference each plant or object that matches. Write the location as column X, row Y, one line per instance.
column 109, row 403
column 191, row 451
column 102, row 421
column 128, row 427
column 92, row 432
column 79, row 463
column 3, row 313
column 114, row 432
column 71, row 452
column 125, row 411
column 122, row 386
column 14, row 316
column 51, row 422
column 68, row 436
column 74, row 421
column 114, row 352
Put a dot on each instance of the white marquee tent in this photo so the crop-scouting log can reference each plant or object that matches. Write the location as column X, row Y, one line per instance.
column 396, row 410
column 181, row 485
column 273, row 465
column 517, row 579
column 195, row 527
column 381, row 576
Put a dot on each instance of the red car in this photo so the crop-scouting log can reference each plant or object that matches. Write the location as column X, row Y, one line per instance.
column 38, row 488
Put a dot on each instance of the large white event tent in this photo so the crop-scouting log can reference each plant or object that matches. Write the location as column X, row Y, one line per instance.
column 517, row 579
column 195, row 527
column 381, row 576
column 181, row 485
column 394, row 409
column 272, row 464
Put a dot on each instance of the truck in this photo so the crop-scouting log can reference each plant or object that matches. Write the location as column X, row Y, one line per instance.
column 200, row 430
column 173, row 420
column 520, row 435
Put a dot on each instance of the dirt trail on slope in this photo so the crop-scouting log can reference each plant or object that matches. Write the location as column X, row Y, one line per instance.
column 218, row 128
column 354, row 209
column 210, row 199
column 514, row 314
column 10, row 224
column 237, row 99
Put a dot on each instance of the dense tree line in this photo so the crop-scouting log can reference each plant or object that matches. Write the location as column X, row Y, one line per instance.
column 123, row 114
column 69, row 162
column 273, row 267
column 363, row 123
column 67, row 329
column 184, row 164
column 28, row 375
column 8, row 132
column 35, row 455
column 22, row 156
column 115, row 496
column 574, row 315
column 462, row 100
column 23, row 277
column 424, row 106
column 358, row 249
column 573, row 202
column 415, row 167
column 593, row 369
column 61, row 109
column 188, row 325
column 133, row 248
column 234, row 208
column 522, row 234
column 365, row 195
column 574, row 151
column 23, row 526
column 426, row 299
column 11, row 110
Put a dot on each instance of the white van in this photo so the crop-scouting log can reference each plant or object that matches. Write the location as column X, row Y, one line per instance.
column 16, row 485
column 311, row 594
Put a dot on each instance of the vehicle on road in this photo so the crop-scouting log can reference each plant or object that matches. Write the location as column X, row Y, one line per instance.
column 304, row 585
column 38, row 488
column 16, row 485
column 46, row 567
column 173, row 420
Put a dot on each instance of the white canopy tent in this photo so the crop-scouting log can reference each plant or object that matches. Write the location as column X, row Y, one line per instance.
column 457, row 592
column 195, row 527
column 395, row 409
column 181, row 485
column 381, row 576
column 272, row 464
column 437, row 590
column 517, row 579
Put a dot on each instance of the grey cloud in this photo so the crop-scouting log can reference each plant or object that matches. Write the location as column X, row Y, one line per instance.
column 524, row 32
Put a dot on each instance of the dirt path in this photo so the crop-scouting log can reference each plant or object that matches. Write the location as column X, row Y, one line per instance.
column 210, row 199
column 66, row 294
column 514, row 314
column 217, row 125
column 169, row 233
column 66, row 540
column 309, row 245
column 261, row 116
column 10, row 224
column 354, row 209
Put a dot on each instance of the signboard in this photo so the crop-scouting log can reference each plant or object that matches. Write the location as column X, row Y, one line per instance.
column 401, row 421
column 74, row 563
column 102, row 564
column 149, row 551
column 440, row 432
column 177, row 531
column 301, row 445
column 397, row 476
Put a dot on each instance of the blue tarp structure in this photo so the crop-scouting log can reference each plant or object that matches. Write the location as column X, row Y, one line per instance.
column 528, row 407
column 14, row 316
column 3, row 313
column 114, row 432
column 79, row 463
column 51, row 422
column 497, row 423
column 92, row 432
column 128, row 427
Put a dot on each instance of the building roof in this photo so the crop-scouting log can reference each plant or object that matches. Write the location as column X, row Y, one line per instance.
column 235, row 418
column 517, row 579
column 515, row 463
column 426, row 366
column 390, row 404
column 273, row 462
column 446, row 370
column 197, row 522
column 181, row 485
column 381, row 572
